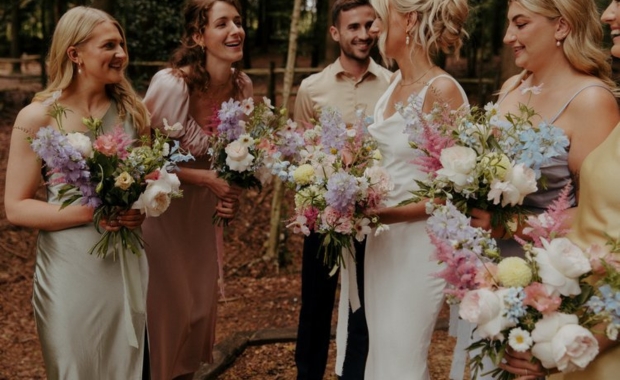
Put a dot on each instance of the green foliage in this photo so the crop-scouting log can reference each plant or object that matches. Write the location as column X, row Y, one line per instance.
column 153, row 27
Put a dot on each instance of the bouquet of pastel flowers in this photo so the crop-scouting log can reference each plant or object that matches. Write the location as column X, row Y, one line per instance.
column 548, row 302
column 337, row 184
column 109, row 173
column 475, row 159
column 251, row 140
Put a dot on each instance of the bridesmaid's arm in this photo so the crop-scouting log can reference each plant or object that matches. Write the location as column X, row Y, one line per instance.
column 23, row 179
column 398, row 214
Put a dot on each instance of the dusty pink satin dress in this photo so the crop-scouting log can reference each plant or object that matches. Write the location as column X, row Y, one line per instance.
column 183, row 291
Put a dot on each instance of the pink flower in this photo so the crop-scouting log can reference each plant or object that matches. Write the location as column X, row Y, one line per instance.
column 311, row 215
column 344, row 226
column 487, row 275
column 486, row 309
column 330, row 216
column 115, row 143
column 154, row 175
column 536, row 295
column 597, row 255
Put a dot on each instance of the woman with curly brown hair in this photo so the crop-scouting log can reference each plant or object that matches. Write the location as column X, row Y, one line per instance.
column 181, row 244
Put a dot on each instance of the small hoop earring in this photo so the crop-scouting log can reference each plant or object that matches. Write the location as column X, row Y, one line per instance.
column 407, row 40
column 558, row 43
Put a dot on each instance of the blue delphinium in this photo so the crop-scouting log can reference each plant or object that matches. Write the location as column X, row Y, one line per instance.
column 334, row 130
column 63, row 159
column 608, row 302
column 513, row 300
column 341, row 191
column 229, row 115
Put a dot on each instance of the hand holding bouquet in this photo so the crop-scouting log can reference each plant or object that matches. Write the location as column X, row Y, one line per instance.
column 246, row 141
column 337, row 184
column 477, row 160
column 109, row 174
column 548, row 302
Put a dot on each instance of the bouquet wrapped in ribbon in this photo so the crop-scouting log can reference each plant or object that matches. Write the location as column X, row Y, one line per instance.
column 549, row 302
column 337, row 184
column 110, row 173
column 476, row 159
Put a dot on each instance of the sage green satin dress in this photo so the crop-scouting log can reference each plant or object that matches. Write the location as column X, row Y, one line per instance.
column 90, row 312
column 599, row 213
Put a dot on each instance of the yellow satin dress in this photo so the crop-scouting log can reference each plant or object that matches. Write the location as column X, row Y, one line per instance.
column 599, row 213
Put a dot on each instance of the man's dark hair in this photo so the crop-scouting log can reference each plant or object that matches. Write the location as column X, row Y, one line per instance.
column 345, row 5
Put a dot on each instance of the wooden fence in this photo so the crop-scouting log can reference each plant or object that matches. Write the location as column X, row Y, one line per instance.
column 479, row 89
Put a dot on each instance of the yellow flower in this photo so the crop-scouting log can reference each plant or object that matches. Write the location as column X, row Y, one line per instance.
column 304, row 174
column 513, row 272
column 376, row 155
column 124, row 180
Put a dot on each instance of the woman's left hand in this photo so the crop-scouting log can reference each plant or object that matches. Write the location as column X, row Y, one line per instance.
column 523, row 364
column 226, row 209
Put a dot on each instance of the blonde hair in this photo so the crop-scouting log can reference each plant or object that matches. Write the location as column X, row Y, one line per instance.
column 441, row 24
column 582, row 45
column 75, row 27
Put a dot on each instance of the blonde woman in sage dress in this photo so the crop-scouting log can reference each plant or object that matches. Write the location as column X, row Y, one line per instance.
column 597, row 216
column 90, row 312
column 181, row 243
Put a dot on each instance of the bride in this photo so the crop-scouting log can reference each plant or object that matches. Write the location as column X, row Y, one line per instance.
column 402, row 298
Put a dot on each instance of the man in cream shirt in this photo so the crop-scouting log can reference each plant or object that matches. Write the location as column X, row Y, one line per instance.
column 354, row 81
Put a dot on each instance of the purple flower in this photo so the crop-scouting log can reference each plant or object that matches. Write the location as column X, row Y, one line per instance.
column 341, row 191
column 229, row 116
column 334, row 130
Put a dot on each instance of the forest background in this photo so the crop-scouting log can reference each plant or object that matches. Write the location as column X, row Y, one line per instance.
column 257, row 320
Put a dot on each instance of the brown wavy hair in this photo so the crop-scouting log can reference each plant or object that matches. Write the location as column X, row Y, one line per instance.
column 192, row 55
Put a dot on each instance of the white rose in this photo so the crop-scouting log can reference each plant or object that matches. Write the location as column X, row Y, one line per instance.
column 560, row 263
column 559, row 341
column 156, row 197
column 457, row 163
column 485, row 309
column 524, row 179
column 81, row 143
column 520, row 181
column 238, row 157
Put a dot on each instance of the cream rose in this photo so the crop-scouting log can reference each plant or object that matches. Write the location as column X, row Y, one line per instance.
column 559, row 341
column 81, row 143
column 123, row 181
column 156, row 198
column 457, row 163
column 520, row 181
column 560, row 263
column 485, row 309
column 238, row 157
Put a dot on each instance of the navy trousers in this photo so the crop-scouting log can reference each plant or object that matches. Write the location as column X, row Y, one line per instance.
column 318, row 291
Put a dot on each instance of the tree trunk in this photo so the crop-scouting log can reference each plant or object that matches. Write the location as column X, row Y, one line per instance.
column 278, row 190
column 332, row 49
column 15, row 43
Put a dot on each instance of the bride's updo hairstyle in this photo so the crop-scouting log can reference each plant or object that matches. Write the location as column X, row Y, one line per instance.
column 440, row 25
column 582, row 45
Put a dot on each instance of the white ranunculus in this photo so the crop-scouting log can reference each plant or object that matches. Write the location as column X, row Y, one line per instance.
column 238, row 157
column 156, row 197
column 559, row 341
column 457, row 163
column 81, row 143
column 560, row 263
column 485, row 309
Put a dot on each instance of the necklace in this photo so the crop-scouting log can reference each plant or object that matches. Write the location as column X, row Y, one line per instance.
column 417, row 80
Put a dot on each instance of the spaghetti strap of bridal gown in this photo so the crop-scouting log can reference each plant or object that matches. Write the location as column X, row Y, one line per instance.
column 402, row 297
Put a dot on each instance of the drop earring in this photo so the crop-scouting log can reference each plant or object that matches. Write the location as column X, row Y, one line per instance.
column 79, row 68
column 558, row 43
column 407, row 40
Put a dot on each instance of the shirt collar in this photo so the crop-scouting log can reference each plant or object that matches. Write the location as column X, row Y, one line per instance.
column 373, row 68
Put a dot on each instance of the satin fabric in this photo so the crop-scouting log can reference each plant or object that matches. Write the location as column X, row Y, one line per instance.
column 402, row 298
column 89, row 311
